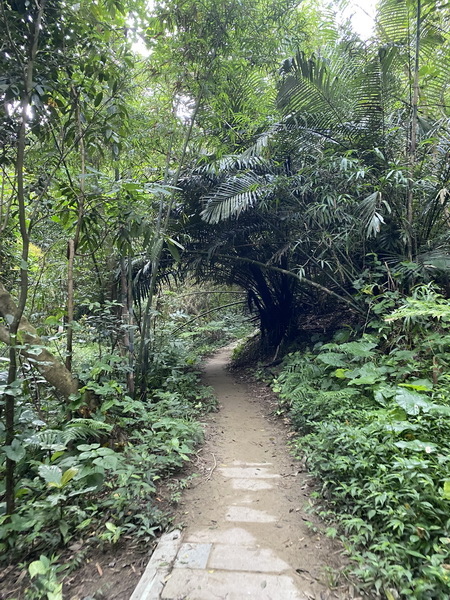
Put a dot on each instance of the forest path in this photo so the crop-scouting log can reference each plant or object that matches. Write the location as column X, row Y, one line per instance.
column 245, row 532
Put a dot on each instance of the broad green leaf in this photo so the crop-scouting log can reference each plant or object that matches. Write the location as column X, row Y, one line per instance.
column 98, row 99
column 36, row 568
column 368, row 374
column 417, row 446
column 15, row 452
column 68, row 475
column 418, row 385
column 361, row 349
column 446, row 489
column 340, row 373
column 51, row 474
column 107, row 462
column 400, row 426
column 440, row 409
column 412, row 402
column 87, row 447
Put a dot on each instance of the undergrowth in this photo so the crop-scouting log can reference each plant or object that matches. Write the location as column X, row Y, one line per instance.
column 88, row 473
column 374, row 417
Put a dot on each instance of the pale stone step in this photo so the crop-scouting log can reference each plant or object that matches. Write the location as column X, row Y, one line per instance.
column 230, row 585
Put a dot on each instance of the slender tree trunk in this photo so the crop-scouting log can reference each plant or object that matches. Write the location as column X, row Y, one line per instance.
column 127, row 308
column 411, row 243
column 130, row 306
column 73, row 243
column 14, row 319
column 70, row 303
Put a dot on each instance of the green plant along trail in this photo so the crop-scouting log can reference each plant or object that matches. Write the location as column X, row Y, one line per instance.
column 374, row 418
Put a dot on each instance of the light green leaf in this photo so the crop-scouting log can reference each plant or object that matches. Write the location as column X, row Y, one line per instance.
column 56, row 594
column 417, row 446
column 340, row 373
column 446, row 489
column 68, row 475
column 36, row 568
column 51, row 474
column 418, row 385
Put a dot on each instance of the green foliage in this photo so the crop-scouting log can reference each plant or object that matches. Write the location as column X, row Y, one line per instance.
column 44, row 576
column 375, row 432
column 95, row 477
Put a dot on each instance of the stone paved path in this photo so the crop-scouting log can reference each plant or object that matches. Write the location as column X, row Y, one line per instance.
column 246, row 535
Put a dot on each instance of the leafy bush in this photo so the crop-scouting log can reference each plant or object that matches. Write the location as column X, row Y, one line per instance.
column 94, row 477
column 375, row 431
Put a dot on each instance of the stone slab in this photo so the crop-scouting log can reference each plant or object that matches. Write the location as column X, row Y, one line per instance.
column 251, row 485
column 235, row 536
column 243, row 514
column 154, row 577
column 248, row 472
column 187, row 584
column 239, row 463
column 193, row 556
column 258, row 560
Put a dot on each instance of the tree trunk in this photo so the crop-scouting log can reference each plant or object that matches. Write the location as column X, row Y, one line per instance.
column 70, row 303
column 73, row 243
column 48, row 365
column 411, row 242
column 13, row 314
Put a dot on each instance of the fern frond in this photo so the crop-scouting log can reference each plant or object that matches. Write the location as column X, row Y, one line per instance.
column 82, row 429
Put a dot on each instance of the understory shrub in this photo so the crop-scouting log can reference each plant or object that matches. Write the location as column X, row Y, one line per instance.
column 375, row 430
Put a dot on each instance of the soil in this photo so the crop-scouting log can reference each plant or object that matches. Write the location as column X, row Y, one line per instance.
column 244, row 428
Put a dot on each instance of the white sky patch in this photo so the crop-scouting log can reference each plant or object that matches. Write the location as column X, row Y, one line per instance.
column 362, row 15
column 140, row 48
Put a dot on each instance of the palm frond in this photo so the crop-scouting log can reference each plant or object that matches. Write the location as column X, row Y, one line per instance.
column 234, row 196
column 393, row 21
column 309, row 93
column 370, row 212
column 234, row 162
column 435, row 260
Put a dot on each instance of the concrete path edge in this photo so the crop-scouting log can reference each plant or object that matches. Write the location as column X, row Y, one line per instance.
column 159, row 568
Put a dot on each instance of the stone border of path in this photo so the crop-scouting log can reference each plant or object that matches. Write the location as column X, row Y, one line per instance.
column 158, row 569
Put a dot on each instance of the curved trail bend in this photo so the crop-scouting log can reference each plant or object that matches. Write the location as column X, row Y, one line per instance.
column 246, row 534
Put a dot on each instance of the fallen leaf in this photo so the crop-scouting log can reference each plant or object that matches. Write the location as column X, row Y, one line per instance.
column 99, row 569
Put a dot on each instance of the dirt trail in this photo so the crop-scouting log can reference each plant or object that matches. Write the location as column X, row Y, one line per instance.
column 246, row 532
